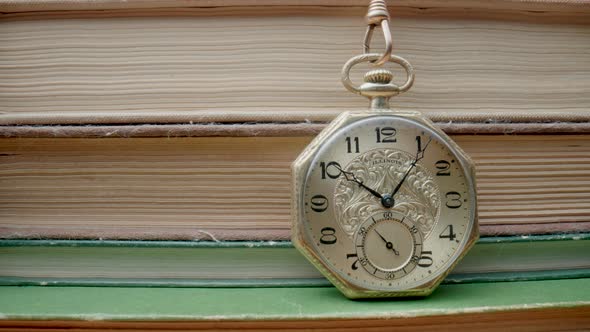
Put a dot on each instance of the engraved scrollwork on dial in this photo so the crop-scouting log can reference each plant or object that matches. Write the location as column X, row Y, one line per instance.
column 382, row 169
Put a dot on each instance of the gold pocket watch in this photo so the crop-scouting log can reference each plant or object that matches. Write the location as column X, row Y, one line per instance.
column 384, row 201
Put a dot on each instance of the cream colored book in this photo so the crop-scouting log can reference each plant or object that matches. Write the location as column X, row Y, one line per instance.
column 108, row 59
column 237, row 188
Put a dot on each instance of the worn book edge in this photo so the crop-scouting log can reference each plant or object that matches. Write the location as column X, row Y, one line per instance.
column 52, row 5
column 250, row 244
column 284, row 124
column 279, row 282
column 265, row 130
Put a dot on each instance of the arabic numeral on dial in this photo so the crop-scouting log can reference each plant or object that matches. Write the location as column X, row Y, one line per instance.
column 414, row 230
column 386, row 135
column 319, row 203
column 349, row 144
column 328, row 235
column 389, row 275
column 443, row 168
column 449, row 233
column 353, row 266
column 453, row 200
column 424, row 260
column 331, row 170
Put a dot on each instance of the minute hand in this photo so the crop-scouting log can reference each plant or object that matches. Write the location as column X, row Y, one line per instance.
column 399, row 185
column 419, row 156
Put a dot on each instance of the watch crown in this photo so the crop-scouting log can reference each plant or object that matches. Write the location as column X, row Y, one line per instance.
column 379, row 76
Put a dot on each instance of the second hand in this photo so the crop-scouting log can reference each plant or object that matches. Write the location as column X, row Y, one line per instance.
column 388, row 244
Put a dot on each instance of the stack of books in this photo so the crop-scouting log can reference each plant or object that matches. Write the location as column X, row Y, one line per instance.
column 146, row 149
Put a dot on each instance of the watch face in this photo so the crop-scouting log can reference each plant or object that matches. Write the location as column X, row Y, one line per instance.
column 387, row 204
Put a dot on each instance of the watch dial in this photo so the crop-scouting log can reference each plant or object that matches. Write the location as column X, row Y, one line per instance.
column 387, row 203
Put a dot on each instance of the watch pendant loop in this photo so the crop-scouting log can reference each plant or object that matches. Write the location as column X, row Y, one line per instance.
column 375, row 89
column 377, row 15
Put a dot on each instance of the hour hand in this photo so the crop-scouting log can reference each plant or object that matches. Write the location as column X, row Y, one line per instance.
column 350, row 177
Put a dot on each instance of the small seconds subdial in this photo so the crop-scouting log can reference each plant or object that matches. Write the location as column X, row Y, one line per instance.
column 388, row 245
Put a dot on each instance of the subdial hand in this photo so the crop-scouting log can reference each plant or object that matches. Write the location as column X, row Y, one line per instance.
column 350, row 177
column 388, row 244
column 419, row 156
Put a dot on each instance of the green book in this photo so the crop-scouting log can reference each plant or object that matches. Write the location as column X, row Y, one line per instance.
column 244, row 264
column 523, row 306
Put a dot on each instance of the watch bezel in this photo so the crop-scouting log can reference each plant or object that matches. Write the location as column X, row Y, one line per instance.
column 301, row 167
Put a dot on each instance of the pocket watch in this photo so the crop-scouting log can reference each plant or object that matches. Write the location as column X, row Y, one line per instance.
column 384, row 202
